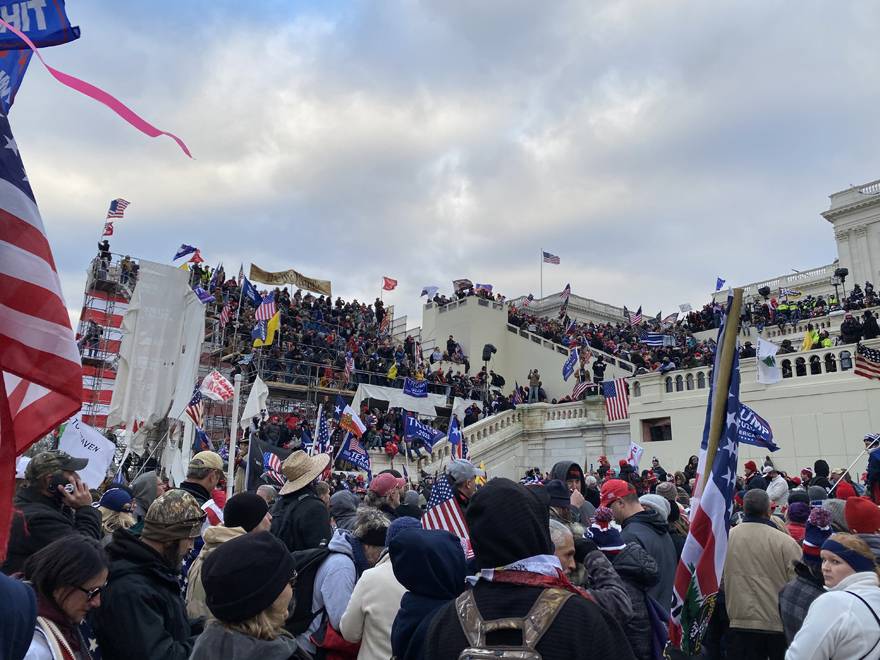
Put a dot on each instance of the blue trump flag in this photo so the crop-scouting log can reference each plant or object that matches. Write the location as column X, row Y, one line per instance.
column 570, row 364
column 203, row 295
column 45, row 23
column 413, row 429
column 754, row 429
column 416, row 388
column 13, row 64
column 259, row 331
column 355, row 453
column 250, row 293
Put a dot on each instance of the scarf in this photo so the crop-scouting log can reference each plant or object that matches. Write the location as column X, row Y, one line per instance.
column 50, row 611
column 543, row 571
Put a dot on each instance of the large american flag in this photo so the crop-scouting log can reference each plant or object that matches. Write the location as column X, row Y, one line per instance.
column 444, row 512
column 616, row 399
column 272, row 468
column 266, row 310
column 226, row 314
column 550, row 258
column 867, row 362
column 41, row 384
column 580, row 388
column 702, row 559
column 117, row 208
column 195, row 409
column 636, row 318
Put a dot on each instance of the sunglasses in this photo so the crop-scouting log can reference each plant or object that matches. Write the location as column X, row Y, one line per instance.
column 92, row 593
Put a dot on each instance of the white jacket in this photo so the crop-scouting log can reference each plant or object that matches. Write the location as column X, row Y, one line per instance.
column 839, row 626
column 374, row 604
column 778, row 491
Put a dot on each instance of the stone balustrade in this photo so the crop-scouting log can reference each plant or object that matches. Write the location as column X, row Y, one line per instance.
column 628, row 367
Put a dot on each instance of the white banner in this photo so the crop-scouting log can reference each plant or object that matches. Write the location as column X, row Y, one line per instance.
column 768, row 371
column 82, row 441
column 635, row 455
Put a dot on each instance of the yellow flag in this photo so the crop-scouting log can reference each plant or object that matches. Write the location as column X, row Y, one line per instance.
column 392, row 372
column 271, row 328
column 184, row 266
column 481, row 481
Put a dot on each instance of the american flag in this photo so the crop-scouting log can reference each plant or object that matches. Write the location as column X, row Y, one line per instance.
column 635, row 319
column 39, row 363
column 386, row 322
column 566, row 293
column 266, row 310
column 349, row 366
column 225, row 314
column 702, row 559
column 550, row 258
column 580, row 388
column 616, row 399
column 195, row 409
column 117, row 208
column 444, row 512
column 322, row 443
column 272, row 468
column 867, row 362
column 108, row 228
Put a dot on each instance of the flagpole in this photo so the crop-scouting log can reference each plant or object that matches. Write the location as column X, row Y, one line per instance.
column 542, row 272
column 238, row 311
column 233, row 436
column 317, row 430
column 858, row 458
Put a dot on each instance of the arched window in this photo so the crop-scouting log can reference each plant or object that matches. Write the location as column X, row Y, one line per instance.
column 669, row 383
column 830, row 363
column 815, row 365
column 637, row 389
column 679, row 384
column 689, row 381
column 701, row 380
column 800, row 366
column 786, row 368
column 845, row 361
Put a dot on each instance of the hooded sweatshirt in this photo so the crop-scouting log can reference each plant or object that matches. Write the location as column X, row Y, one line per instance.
column 431, row 567
column 343, row 509
column 220, row 642
column 561, row 471
column 195, row 592
column 651, row 532
column 144, row 492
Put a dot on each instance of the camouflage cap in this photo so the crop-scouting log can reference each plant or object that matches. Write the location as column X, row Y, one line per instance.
column 175, row 515
column 47, row 462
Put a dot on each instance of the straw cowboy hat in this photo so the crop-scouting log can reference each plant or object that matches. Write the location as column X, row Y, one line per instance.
column 301, row 470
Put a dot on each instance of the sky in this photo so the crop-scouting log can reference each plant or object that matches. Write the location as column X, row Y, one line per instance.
column 653, row 146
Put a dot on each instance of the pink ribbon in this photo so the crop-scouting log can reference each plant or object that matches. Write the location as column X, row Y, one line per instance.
column 99, row 95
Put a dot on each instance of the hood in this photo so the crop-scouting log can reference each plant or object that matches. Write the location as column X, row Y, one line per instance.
column 129, row 556
column 219, row 534
column 428, row 562
column 650, row 519
column 561, row 469
column 144, row 489
column 873, row 541
column 344, row 503
column 636, row 566
column 220, row 642
column 340, row 542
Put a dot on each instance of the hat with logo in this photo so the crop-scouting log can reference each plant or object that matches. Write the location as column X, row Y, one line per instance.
column 47, row 462
column 614, row 489
column 206, row 459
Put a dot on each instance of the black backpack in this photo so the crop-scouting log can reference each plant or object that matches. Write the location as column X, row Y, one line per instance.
column 307, row 564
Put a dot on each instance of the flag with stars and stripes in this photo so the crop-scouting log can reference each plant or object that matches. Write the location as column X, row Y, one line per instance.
column 355, row 453
column 349, row 366
column 322, row 434
column 580, row 388
column 616, row 399
column 266, row 310
column 272, row 468
column 40, row 371
column 698, row 576
column 550, row 258
column 444, row 512
column 635, row 319
column 867, row 362
column 195, row 409
column 117, row 208
column 226, row 314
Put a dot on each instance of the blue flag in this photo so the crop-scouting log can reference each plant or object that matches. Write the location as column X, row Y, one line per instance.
column 413, row 429
column 45, row 23
column 250, row 293
column 183, row 250
column 201, row 441
column 306, row 440
column 570, row 364
column 416, row 388
column 203, row 295
column 719, row 283
column 338, row 407
column 259, row 331
column 355, row 453
column 754, row 429
column 13, row 64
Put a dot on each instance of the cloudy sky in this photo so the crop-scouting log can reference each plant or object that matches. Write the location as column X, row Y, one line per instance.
column 651, row 145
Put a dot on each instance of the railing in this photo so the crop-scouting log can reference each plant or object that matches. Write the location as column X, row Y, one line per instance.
column 788, row 280
column 102, row 272
column 825, row 322
column 482, row 302
column 564, row 350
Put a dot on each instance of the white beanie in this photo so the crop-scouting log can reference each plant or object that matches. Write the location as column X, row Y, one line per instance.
column 658, row 503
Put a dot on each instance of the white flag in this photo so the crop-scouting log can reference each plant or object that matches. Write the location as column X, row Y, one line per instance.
column 768, row 371
column 82, row 441
column 635, row 454
column 256, row 403
column 685, row 308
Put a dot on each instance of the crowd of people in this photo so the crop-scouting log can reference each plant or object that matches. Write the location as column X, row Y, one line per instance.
column 333, row 566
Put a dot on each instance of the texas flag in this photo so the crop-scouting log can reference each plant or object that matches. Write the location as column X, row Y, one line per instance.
column 350, row 421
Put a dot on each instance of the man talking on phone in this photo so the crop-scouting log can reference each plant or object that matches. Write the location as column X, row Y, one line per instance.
column 54, row 503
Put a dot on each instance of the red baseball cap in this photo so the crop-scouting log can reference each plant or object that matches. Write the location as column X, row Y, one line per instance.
column 384, row 483
column 614, row 489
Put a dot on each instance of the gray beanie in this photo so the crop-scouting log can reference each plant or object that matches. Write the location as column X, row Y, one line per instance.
column 658, row 503
column 411, row 498
column 817, row 493
column 838, row 519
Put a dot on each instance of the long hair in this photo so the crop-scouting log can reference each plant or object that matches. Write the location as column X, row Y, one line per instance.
column 67, row 563
column 267, row 625
column 112, row 520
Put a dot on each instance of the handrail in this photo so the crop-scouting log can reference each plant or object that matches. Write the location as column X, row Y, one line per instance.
column 564, row 350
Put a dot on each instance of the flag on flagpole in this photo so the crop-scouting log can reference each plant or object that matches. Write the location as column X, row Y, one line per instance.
column 566, row 293
column 217, row 387
column 634, row 319
column 117, row 208
column 570, row 364
column 429, row 291
column 444, row 512
column 550, row 258
column 355, row 453
column 635, row 454
column 182, row 251
column 226, row 314
column 580, row 388
column 196, row 258
column 616, row 399
column 349, row 366
column 250, row 293
column 669, row 320
column 322, row 433
column 719, row 283
column 351, row 422
column 268, row 330
column 455, row 439
column 195, row 409
column 266, row 310
column 768, row 371
column 754, row 429
column 685, row 308
column 388, row 283
column 108, row 228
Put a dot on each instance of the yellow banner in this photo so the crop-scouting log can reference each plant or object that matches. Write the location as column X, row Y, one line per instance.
column 290, row 277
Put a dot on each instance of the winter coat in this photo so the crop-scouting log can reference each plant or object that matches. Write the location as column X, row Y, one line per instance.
column 220, row 642
column 870, row 329
column 301, row 520
column 651, row 532
column 142, row 616
column 370, row 613
column 850, row 331
column 797, row 596
column 839, row 625
column 638, row 570
column 560, row 471
column 199, row 492
column 777, row 489
column 18, row 612
column 195, row 591
column 430, row 565
column 605, row 585
column 760, row 561
column 39, row 519
column 343, row 508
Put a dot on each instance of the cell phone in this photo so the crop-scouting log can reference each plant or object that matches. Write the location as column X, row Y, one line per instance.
column 58, row 479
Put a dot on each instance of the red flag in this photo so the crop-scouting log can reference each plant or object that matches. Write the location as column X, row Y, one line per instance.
column 196, row 258
column 389, row 284
column 108, row 228
column 40, row 371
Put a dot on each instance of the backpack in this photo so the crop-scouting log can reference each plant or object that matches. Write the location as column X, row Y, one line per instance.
column 533, row 626
column 307, row 564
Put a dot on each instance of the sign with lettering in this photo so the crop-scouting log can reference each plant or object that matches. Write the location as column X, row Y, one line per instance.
column 82, row 441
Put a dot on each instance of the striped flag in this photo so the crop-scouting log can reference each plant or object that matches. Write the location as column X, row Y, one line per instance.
column 226, row 314
column 867, row 362
column 550, row 258
column 616, row 399
column 444, row 512
column 701, row 565
column 566, row 292
column 272, row 468
column 349, row 366
column 266, row 310
column 635, row 319
column 108, row 228
column 580, row 388
column 322, row 435
column 41, row 384
column 195, row 409
column 117, row 208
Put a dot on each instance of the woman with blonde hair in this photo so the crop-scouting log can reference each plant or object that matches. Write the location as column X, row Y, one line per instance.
column 248, row 585
column 844, row 622
column 115, row 506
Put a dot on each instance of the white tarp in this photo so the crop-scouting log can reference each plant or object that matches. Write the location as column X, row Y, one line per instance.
column 162, row 329
column 82, row 441
column 397, row 399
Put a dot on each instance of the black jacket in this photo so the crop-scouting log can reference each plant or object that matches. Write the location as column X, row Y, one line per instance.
column 199, row 492
column 638, row 570
column 651, row 532
column 301, row 520
column 39, row 519
column 870, row 329
column 142, row 615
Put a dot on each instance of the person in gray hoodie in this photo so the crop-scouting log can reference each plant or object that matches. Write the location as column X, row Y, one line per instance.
column 343, row 509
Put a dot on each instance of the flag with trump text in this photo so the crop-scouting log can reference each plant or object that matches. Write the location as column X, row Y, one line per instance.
column 354, row 452
column 40, row 372
column 698, row 576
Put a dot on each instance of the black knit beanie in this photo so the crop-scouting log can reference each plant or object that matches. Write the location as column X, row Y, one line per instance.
column 245, row 575
column 244, row 510
column 507, row 522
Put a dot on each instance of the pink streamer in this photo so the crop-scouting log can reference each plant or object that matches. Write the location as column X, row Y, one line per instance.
column 99, row 95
